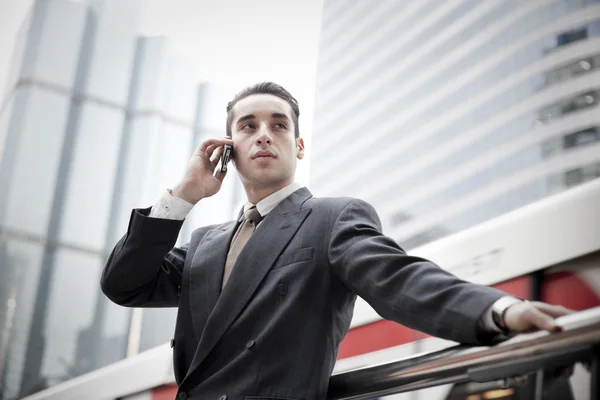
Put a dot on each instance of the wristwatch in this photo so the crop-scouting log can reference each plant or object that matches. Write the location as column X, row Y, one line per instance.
column 499, row 308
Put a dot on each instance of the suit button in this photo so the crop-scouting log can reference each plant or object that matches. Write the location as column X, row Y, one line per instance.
column 172, row 343
column 250, row 344
column 178, row 290
column 282, row 289
column 223, row 397
column 182, row 396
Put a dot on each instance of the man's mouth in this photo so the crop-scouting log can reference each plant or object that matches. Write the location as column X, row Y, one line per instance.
column 263, row 154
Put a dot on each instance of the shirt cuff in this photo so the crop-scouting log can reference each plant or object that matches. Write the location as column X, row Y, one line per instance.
column 170, row 207
column 488, row 321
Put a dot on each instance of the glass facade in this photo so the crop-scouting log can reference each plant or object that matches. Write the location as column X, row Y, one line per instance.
column 446, row 114
column 91, row 112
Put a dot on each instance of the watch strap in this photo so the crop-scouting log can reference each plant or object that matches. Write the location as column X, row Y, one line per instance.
column 499, row 309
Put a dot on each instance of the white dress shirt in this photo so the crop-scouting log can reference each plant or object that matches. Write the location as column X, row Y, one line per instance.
column 170, row 207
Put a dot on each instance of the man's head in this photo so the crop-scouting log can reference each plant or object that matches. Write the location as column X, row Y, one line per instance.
column 262, row 120
column 265, row 88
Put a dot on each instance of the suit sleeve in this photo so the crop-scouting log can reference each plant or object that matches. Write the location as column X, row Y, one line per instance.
column 409, row 290
column 144, row 269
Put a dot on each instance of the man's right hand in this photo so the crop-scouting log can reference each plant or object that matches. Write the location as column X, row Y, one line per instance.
column 200, row 179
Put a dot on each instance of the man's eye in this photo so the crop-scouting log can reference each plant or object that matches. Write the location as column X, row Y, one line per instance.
column 247, row 126
column 280, row 126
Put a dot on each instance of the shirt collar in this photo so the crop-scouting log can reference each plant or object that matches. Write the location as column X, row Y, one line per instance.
column 267, row 204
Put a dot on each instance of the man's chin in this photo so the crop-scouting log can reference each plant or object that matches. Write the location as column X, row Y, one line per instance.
column 264, row 178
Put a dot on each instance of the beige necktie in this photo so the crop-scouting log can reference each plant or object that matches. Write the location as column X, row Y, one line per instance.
column 251, row 219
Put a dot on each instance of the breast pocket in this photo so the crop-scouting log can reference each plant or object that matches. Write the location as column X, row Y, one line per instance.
column 295, row 256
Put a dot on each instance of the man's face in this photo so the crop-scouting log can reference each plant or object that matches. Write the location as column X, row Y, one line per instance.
column 265, row 147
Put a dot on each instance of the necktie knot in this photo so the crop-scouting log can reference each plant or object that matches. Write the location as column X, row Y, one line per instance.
column 252, row 215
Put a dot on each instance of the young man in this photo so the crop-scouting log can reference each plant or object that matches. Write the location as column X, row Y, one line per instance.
column 265, row 301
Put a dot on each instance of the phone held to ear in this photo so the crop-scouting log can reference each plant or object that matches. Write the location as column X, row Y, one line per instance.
column 226, row 156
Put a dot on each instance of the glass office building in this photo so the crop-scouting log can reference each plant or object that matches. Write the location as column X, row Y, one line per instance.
column 445, row 114
column 96, row 121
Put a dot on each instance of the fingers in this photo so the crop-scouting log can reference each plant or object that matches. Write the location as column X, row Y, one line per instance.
column 216, row 155
column 216, row 142
column 544, row 316
column 531, row 316
column 541, row 320
column 214, row 160
column 552, row 310
column 210, row 151
column 220, row 175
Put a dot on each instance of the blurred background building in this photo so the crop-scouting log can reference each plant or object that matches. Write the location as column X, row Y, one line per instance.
column 86, row 126
column 445, row 114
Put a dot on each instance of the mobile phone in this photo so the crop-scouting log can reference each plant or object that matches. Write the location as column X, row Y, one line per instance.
column 226, row 156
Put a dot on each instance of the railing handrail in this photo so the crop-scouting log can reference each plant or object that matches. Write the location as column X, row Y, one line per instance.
column 580, row 331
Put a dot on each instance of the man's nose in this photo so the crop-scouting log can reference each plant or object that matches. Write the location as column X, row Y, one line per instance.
column 264, row 135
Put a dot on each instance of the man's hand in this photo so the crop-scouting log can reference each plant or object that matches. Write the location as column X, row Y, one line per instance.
column 200, row 180
column 532, row 316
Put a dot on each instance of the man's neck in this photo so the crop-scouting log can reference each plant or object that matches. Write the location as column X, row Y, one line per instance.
column 256, row 194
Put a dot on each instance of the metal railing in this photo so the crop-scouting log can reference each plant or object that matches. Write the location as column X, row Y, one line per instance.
column 520, row 356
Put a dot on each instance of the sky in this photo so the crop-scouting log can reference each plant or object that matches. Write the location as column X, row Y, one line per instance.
column 231, row 42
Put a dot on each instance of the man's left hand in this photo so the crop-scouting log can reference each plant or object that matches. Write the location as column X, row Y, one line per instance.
column 532, row 316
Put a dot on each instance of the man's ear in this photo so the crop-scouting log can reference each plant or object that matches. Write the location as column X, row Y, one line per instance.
column 300, row 148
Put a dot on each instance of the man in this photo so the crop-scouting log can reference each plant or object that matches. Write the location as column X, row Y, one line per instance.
column 265, row 301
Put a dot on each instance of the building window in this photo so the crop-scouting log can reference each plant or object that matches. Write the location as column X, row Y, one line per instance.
column 583, row 101
column 578, row 102
column 590, row 172
column 581, row 138
column 555, row 145
column 573, row 177
column 558, row 182
column 571, row 70
column 582, row 174
column 571, row 36
column 589, row 30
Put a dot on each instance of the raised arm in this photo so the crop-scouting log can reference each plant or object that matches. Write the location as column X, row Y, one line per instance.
column 144, row 268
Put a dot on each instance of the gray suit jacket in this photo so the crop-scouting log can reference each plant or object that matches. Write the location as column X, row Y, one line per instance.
column 274, row 330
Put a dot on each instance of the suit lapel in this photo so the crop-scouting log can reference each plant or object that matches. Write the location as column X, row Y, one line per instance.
column 206, row 273
column 253, row 263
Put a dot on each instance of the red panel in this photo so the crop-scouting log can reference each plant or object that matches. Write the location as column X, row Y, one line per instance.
column 383, row 334
column 568, row 290
column 164, row 392
column 518, row 287
column 375, row 336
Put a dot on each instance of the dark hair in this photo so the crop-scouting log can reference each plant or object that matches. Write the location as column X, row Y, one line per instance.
column 265, row 88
